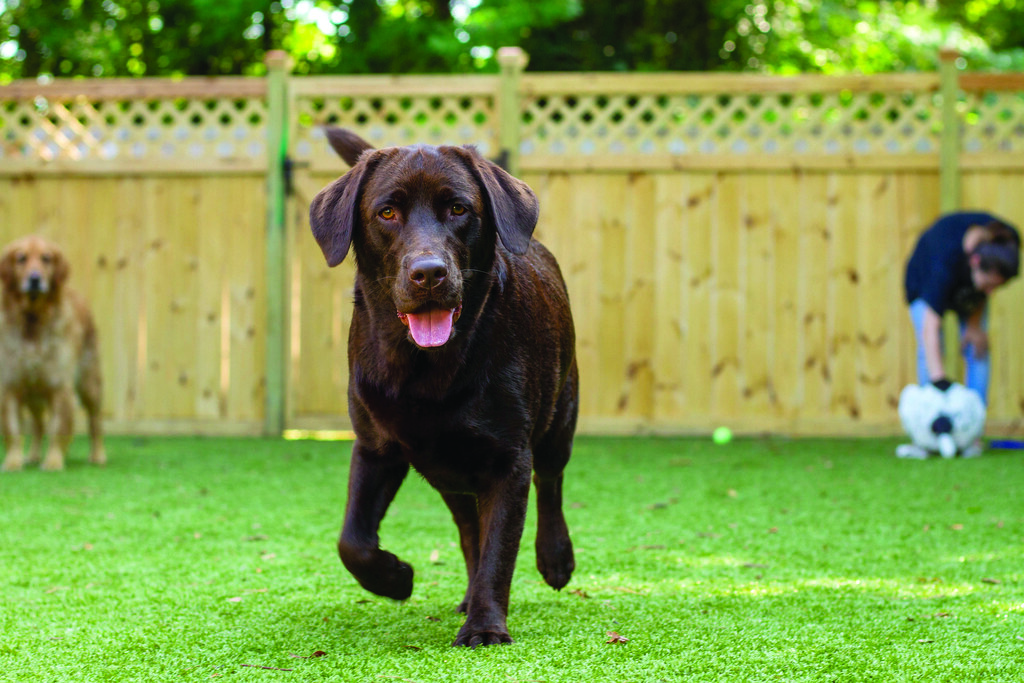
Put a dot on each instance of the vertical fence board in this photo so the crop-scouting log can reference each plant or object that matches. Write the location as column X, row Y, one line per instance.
column 728, row 262
column 696, row 317
column 609, row 275
column 759, row 300
column 640, row 313
column 246, row 294
column 815, row 202
column 786, row 386
column 584, row 290
column 210, row 313
column 320, row 311
column 878, row 269
column 668, row 298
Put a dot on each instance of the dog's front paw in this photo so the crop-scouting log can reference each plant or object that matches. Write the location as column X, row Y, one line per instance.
column 14, row 462
column 470, row 636
column 392, row 581
column 53, row 462
column 378, row 571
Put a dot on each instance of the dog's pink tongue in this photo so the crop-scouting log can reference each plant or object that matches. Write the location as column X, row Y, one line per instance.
column 431, row 328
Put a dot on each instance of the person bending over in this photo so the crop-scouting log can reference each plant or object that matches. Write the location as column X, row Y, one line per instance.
column 956, row 265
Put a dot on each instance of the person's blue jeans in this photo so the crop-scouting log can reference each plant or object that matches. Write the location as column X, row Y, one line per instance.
column 977, row 367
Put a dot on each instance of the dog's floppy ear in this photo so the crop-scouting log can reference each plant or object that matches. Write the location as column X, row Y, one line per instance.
column 7, row 276
column 61, row 269
column 512, row 203
column 347, row 144
column 334, row 212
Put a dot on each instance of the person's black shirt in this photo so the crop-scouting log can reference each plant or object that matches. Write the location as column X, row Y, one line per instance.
column 939, row 271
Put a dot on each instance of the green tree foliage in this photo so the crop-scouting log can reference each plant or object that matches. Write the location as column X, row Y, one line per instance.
column 209, row 37
column 130, row 37
column 781, row 36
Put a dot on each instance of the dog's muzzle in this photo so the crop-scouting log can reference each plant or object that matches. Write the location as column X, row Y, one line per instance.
column 34, row 285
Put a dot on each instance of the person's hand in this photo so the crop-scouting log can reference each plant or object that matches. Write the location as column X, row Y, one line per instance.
column 976, row 337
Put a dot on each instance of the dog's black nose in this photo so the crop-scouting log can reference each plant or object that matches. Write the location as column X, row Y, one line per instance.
column 428, row 271
column 35, row 283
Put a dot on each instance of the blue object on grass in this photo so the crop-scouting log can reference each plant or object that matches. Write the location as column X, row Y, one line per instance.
column 1008, row 444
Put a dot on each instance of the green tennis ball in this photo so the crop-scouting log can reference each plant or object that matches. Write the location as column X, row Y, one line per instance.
column 721, row 435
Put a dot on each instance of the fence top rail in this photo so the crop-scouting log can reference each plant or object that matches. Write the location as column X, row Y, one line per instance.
column 537, row 84
column 193, row 87
column 341, row 86
column 973, row 82
column 533, row 84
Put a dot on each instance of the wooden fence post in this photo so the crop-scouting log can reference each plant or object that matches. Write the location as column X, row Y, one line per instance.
column 949, row 179
column 513, row 61
column 949, row 150
column 277, row 150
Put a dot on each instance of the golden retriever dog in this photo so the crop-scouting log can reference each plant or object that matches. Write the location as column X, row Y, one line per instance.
column 48, row 353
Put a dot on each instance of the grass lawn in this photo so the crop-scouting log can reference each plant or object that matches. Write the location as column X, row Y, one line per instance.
column 761, row 560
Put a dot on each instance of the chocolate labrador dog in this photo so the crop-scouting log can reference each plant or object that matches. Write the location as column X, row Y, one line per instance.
column 461, row 364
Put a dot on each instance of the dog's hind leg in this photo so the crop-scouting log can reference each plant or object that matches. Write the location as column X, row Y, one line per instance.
column 90, row 393
column 373, row 481
column 555, row 559
column 467, row 519
column 37, row 420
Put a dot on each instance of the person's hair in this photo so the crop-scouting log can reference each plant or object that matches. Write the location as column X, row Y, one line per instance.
column 997, row 232
column 1000, row 258
column 999, row 250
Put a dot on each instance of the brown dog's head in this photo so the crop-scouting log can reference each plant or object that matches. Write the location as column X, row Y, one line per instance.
column 422, row 220
column 32, row 270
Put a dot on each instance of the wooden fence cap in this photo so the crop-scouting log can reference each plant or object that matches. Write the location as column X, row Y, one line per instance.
column 949, row 54
column 512, row 57
column 276, row 59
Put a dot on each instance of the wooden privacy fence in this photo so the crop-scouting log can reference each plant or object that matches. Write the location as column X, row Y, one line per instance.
column 733, row 244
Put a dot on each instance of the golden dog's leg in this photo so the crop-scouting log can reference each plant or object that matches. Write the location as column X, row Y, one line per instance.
column 61, row 425
column 90, row 392
column 13, row 442
column 38, row 431
column 97, row 453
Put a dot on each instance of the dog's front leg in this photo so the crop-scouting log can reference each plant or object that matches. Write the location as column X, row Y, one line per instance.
column 10, row 419
column 502, row 509
column 373, row 481
column 61, row 427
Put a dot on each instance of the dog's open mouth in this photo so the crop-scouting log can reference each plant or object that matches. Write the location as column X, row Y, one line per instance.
column 431, row 325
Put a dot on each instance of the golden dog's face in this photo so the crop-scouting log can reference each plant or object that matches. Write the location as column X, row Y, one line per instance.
column 33, row 268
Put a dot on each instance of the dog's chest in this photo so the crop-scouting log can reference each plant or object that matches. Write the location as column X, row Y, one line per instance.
column 457, row 446
column 460, row 462
column 33, row 363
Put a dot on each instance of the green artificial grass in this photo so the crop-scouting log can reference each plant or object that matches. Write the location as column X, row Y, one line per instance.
column 760, row 560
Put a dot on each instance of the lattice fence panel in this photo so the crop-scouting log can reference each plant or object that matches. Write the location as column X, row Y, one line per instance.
column 993, row 122
column 153, row 131
column 396, row 120
column 841, row 123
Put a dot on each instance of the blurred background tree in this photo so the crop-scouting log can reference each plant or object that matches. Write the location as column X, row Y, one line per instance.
column 63, row 38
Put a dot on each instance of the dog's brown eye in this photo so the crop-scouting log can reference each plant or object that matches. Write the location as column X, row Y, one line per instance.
column 46, row 259
column 387, row 213
column 21, row 258
column 458, row 209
